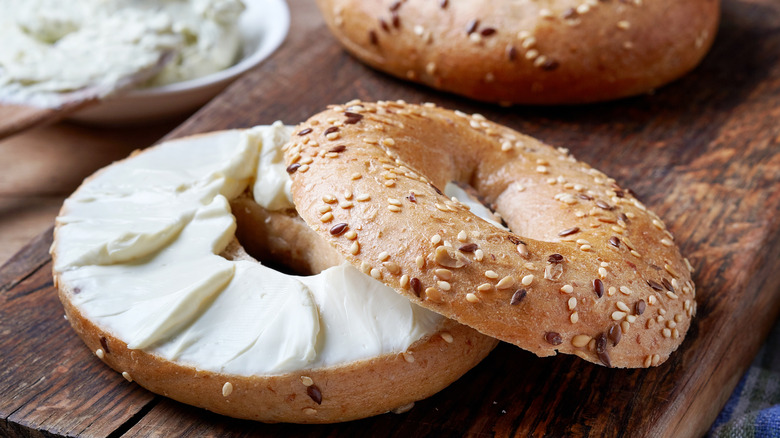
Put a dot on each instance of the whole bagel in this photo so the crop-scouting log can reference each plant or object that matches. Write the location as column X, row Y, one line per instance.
column 336, row 391
column 528, row 51
column 586, row 269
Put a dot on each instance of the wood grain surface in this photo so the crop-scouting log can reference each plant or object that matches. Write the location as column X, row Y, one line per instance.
column 704, row 153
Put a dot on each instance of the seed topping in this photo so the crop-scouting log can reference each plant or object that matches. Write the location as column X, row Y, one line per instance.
column 338, row 229
column 518, row 296
column 553, row 338
column 314, row 393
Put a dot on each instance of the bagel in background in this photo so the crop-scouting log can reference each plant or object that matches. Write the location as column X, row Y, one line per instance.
column 155, row 283
column 587, row 270
column 525, row 51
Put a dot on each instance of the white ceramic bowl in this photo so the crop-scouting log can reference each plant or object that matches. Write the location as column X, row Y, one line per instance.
column 264, row 25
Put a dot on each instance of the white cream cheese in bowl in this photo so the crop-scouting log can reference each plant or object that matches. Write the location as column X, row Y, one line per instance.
column 56, row 47
column 138, row 246
column 52, row 47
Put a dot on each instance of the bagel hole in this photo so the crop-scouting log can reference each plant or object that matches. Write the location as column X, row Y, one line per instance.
column 473, row 197
column 280, row 240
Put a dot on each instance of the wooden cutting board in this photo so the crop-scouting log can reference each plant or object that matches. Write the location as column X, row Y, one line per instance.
column 704, row 153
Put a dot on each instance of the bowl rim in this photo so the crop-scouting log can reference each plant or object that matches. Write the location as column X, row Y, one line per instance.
column 269, row 42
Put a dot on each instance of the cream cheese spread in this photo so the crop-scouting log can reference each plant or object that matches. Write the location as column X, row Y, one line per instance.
column 54, row 46
column 138, row 248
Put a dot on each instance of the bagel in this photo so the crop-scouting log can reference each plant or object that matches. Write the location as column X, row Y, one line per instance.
column 528, row 51
column 587, row 269
column 154, row 281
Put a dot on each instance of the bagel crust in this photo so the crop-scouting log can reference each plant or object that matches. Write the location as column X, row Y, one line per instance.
column 360, row 389
column 588, row 269
column 528, row 51
column 320, row 392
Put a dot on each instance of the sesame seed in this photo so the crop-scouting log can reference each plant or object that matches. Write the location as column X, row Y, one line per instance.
column 420, row 261
column 623, row 24
column 569, row 231
column 355, row 248
column 394, row 208
column 383, row 256
column 346, row 205
column 611, row 291
column 667, row 333
column 404, row 281
column 625, row 326
column 625, row 290
column 227, row 389
column 567, row 289
column 351, row 235
column 100, row 353
column 307, row 381
column 648, row 360
column 309, row 411
column 447, row 337
column 618, row 315
column 390, row 183
column 580, row 340
column 356, row 176
column 327, row 217
column 602, row 273
column 491, row 274
column 408, row 357
column 585, row 248
column 484, row 287
column 471, row 26
column 574, row 317
column 388, row 142
column 324, row 208
column 471, row 298
column 376, row 273
column 392, row 267
column 622, row 306
column 527, row 280
column 636, row 254
column 443, row 285
column 541, row 169
column 572, row 303
column 671, row 295
column 433, row 295
column 444, row 274
column 522, row 249
column 436, row 239
column 463, row 236
column 127, row 376
column 506, row 282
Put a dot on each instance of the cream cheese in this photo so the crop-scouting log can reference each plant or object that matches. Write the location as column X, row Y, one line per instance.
column 138, row 247
column 51, row 46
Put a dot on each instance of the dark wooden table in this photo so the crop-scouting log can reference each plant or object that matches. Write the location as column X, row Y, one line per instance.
column 704, row 153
